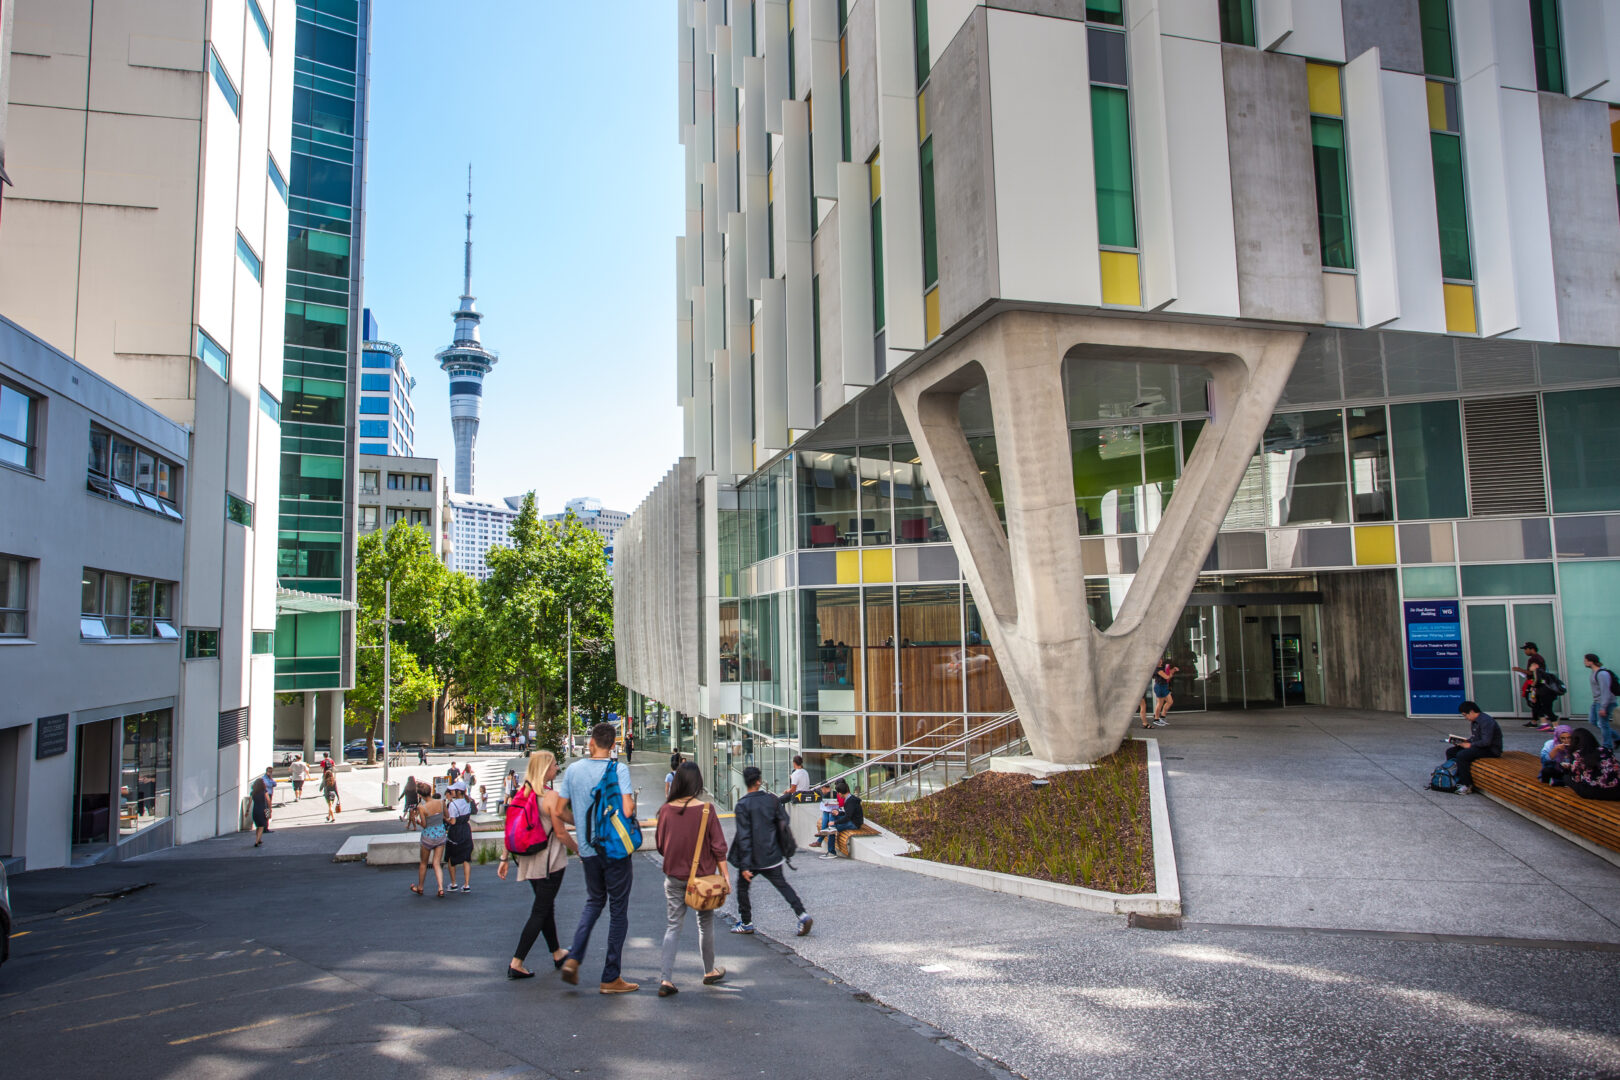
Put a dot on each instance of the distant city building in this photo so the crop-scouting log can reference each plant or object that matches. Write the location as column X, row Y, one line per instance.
column 466, row 361
column 476, row 525
column 604, row 523
column 387, row 423
column 397, row 489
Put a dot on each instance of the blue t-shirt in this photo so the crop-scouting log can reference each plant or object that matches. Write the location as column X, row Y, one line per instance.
column 576, row 785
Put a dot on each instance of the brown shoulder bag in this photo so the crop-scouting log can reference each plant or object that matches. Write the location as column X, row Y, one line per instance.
column 708, row 892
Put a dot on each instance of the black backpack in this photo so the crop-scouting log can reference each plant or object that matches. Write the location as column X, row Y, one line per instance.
column 784, row 835
column 1553, row 683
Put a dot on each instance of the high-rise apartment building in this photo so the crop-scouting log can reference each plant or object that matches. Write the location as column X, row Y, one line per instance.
column 466, row 361
column 145, row 238
column 589, row 511
column 476, row 525
column 387, row 422
column 1018, row 349
column 323, row 323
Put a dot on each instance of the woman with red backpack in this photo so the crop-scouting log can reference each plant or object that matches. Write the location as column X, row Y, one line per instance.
column 537, row 839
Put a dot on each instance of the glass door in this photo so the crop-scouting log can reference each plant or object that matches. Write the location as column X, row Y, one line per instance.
column 1496, row 629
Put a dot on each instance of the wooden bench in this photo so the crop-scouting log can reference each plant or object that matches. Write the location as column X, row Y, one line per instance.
column 1511, row 779
column 841, row 841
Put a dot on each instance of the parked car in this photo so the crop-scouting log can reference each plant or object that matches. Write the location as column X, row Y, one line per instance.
column 357, row 748
column 5, row 916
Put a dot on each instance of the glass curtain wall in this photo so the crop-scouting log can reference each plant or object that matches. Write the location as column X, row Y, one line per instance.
column 145, row 771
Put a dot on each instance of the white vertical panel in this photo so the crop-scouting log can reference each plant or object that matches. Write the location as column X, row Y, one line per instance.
column 1273, row 22
column 227, row 20
column 737, row 274
column 1046, row 194
column 273, row 333
column 1200, row 177
column 254, row 183
column 703, row 420
column 793, row 207
column 1417, row 227
column 1591, row 48
column 216, row 247
column 1155, row 212
column 725, row 122
column 855, row 273
column 1318, row 30
column 683, row 322
column 1372, row 214
column 1197, row 19
column 716, row 18
column 774, row 14
column 742, row 414
column 1529, row 225
column 723, row 447
column 704, row 129
column 1515, row 49
column 714, row 329
column 281, row 78
column 902, row 184
column 1485, row 161
column 827, row 117
column 742, row 40
column 756, row 144
column 683, row 66
column 771, row 367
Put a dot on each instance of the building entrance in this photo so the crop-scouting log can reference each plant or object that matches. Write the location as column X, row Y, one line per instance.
column 1495, row 629
column 93, row 784
column 1249, row 650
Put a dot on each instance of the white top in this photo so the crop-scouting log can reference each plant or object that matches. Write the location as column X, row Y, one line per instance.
column 800, row 779
column 299, row 770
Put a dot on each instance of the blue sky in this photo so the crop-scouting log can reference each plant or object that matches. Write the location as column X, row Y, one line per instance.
column 567, row 112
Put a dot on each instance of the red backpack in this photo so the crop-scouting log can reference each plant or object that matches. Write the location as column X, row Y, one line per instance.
column 525, row 825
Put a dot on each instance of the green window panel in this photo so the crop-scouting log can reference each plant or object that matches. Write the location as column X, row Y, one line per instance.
column 1582, row 464
column 1237, row 22
column 1111, row 150
column 843, row 94
column 1107, row 478
column 1547, row 42
column 815, row 323
column 1508, row 579
column 1586, row 595
column 238, row 510
column 930, row 228
column 1428, row 456
column 1371, row 493
column 1429, row 582
column 1332, row 192
column 1451, row 205
column 1434, row 17
column 319, row 401
column 1106, row 11
column 879, row 316
column 264, row 642
column 919, row 9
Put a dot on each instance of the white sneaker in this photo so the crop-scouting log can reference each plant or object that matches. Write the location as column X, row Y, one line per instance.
column 1161, row 722
column 827, row 855
column 1464, row 789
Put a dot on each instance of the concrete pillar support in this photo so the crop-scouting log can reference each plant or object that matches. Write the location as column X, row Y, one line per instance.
column 1075, row 686
column 334, row 704
column 309, row 726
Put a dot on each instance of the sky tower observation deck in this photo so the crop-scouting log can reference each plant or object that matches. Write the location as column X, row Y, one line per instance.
column 466, row 361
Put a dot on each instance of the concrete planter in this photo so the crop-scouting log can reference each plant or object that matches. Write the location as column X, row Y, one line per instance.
column 887, row 849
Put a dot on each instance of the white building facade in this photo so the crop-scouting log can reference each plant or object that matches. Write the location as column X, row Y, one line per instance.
column 401, row 491
column 590, row 512
column 476, row 525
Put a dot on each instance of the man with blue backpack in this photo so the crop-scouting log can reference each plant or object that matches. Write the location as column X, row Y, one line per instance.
column 602, row 809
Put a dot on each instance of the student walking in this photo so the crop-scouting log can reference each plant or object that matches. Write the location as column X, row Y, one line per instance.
column 607, row 881
column 756, row 850
column 1604, row 691
column 542, row 869
column 430, row 851
column 694, row 848
column 1162, row 697
column 409, row 798
column 458, row 846
column 260, row 796
column 669, row 777
column 299, row 771
column 329, row 792
column 421, row 755
column 1537, row 694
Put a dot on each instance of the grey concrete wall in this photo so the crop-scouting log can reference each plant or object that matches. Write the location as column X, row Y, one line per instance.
column 655, row 593
column 1579, row 158
column 1059, row 9
column 1362, row 656
column 861, row 33
column 1273, row 186
column 964, row 172
column 1390, row 26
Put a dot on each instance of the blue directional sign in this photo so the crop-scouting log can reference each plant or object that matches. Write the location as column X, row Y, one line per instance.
column 1434, row 659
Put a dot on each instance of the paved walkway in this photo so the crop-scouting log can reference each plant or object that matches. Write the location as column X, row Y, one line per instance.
column 1321, row 818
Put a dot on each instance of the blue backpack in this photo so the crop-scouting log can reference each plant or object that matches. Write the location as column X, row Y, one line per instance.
column 613, row 835
column 1444, row 777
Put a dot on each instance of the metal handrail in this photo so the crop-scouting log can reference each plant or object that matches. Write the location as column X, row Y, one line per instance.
column 902, row 755
column 942, row 756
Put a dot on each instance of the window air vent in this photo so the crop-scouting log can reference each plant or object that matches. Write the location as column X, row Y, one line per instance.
column 1503, row 440
column 233, row 727
column 1496, row 365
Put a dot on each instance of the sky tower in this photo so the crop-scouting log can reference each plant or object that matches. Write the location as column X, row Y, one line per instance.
column 466, row 361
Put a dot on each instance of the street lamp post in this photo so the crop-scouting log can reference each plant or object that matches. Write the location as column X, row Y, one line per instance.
column 388, row 623
column 569, row 719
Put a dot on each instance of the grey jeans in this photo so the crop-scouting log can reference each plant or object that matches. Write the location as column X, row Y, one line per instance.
column 675, row 894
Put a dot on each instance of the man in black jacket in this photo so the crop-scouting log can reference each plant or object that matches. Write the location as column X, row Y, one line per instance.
column 1484, row 740
column 757, row 850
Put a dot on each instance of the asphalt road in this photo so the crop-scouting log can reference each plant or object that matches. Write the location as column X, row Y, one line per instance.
column 295, row 966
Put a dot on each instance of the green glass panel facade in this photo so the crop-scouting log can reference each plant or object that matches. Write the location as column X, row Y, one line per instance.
column 1587, row 592
column 1111, row 149
column 1435, row 18
column 930, row 230
column 1583, row 464
column 1428, row 453
column 1107, row 478
column 1508, row 579
column 1111, row 12
column 879, row 317
column 1332, row 192
column 1451, row 206
column 919, row 10
column 1547, row 42
column 1429, row 582
column 1237, row 22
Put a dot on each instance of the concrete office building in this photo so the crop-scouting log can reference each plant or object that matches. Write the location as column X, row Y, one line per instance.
column 321, row 381
column 401, row 490
column 476, row 525
column 387, row 423
column 92, row 582
column 145, row 237
column 1343, row 276
column 589, row 511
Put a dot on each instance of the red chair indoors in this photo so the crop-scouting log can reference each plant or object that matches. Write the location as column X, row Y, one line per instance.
column 823, row 535
column 913, row 530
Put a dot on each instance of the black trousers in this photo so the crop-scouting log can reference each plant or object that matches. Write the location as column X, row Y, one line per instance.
column 1541, row 706
column 542, row 916
column 774, row 875
column 1465, row 756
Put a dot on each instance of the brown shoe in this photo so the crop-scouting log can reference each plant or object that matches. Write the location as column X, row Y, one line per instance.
column 619, row 986
column 570, row 971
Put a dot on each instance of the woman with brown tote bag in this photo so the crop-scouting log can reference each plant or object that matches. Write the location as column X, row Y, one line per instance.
column 695, row 870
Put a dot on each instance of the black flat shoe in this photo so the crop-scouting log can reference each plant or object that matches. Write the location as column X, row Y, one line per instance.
column 514, row 973
column 556, row 963
column 667, row 990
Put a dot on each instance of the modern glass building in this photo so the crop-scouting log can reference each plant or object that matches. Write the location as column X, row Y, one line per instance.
column 321, row 380
column 387, row 420
column 1319, row 366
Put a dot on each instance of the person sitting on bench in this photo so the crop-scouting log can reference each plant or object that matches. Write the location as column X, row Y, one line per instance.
column 1555, row 756
column 1484, row 740
column 1593, row 771
column 849, row 819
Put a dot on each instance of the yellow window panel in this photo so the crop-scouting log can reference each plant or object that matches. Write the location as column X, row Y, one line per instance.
column 1375, row 545
column 843, row 55
column 791, row 22
column 931, row 314
column 770, row 185
column 849, row 568
column 876, row 565
column 1121, row 281
column 877, row 177
column 1460, row 309
column 1437, row 107
column 1323, row 83
column 922, row 115
column 1614, row 128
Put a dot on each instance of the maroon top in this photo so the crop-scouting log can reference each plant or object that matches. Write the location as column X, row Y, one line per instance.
column 678, row 835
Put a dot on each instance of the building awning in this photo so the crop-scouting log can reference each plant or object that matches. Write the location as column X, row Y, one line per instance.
column 292, row 601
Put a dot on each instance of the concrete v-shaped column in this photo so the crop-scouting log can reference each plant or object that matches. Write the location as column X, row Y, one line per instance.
column 1075, row 686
